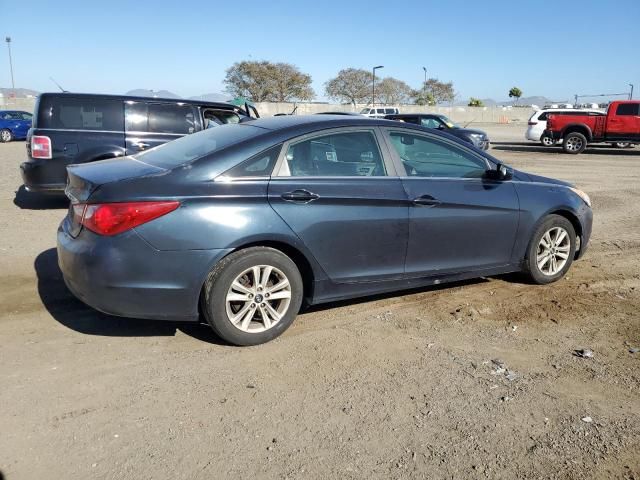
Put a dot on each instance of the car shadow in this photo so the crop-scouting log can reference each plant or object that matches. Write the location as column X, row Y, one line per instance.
column 39, row 201
column 534, row 148
column 65, row 308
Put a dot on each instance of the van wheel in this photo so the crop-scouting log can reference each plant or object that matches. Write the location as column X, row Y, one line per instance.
column 574, row 143
column 252, row 296
column 551, row 251
column 547, row 141
column 5, row 135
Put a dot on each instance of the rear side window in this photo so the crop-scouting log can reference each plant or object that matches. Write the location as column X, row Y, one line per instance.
column 191, row 147
column 260, row 165
column 627, row 109
column 542, row 117
column 160, row 118
column 80, row 113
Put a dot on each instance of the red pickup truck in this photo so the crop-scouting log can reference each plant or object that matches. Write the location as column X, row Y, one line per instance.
column 619, row 126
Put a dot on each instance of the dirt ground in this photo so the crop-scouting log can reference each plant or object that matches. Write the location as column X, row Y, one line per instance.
column 400, row 386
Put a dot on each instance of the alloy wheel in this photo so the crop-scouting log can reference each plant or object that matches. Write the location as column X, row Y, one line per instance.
column 553, row 251
column 6, row 135
column 258, row 298
column 548, row 141
column 574, row 144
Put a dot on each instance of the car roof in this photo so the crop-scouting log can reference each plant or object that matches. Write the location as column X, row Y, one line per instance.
column 140, row 99
column 405, row 115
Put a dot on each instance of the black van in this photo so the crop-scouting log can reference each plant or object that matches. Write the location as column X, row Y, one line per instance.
column 77, row 128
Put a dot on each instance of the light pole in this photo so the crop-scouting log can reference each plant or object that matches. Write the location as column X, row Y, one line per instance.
column 424, row 85
column 13, row 85
column 631, row 93
column 373, row 93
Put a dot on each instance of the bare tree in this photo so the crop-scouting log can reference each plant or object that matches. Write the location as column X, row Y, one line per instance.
column 351, row 85
column 439, row 91
column 393, row 91
column 268, row 82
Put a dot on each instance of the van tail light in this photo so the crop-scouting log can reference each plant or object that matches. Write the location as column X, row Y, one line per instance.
column 533, row 123
column 40, row 147
column 114, row 218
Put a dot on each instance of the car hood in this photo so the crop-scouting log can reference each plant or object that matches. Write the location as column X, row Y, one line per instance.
column 469, row 131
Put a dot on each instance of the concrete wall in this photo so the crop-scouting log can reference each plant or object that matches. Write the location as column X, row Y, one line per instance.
column 457, row 114
column 462, row 115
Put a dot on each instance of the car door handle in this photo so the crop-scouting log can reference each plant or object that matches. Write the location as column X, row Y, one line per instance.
column 301, row 196
column 142, row 146
column 426, row 201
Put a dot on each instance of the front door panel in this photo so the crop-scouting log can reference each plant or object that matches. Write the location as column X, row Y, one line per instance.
column 470, row 224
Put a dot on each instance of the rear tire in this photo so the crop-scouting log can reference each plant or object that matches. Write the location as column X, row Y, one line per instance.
column 252, row 296
column 551, row 250
column 547, row 141
column 621, row 144
column 574, row 143
column 6, row 135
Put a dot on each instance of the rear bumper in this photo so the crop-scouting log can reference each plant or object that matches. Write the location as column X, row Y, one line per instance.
column 46, row 175
column 124, row 276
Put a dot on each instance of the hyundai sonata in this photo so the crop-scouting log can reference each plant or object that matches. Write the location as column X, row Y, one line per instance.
column 241, row 224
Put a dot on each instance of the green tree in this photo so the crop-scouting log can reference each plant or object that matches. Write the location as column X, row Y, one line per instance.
column 475, row 102
column 262, row 81
column 391, row 91
column 424, row 98
column 516, row 93
column 351, row 85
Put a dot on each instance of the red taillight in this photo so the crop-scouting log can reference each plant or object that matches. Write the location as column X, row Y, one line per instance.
column 114, row 218
column 40, row 147
column 533, row 123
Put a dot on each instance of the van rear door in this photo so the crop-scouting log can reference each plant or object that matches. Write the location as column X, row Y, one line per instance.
column 149, row 124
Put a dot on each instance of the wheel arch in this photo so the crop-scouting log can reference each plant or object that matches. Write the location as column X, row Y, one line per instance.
column 573, row 218
column 304, row 264
column 578, row 128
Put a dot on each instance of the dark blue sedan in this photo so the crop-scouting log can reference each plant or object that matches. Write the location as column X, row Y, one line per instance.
column 242, row 223
column 14, row 125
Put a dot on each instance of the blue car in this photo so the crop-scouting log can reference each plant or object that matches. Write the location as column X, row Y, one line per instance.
column 242, row 223
column 14, row 125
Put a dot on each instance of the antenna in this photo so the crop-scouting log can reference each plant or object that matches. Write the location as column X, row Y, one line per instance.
column 58, row 85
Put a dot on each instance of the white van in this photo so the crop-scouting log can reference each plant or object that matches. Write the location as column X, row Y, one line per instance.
column 379, row 112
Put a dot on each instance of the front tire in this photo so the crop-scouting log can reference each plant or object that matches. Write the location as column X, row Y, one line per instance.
column 574, row 143
column 6, row 135
column 551, row 250
column 252, row 296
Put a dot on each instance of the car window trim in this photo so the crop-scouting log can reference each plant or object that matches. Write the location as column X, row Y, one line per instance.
column 399, row 166
column 379, row 138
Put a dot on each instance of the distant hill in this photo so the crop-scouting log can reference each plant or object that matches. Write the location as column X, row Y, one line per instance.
column 19, row 92
column 212, row 97
column 490, row 102
column 143, row 92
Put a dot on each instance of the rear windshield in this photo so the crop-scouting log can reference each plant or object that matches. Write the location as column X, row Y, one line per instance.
column 80, row 113
column 191, row 147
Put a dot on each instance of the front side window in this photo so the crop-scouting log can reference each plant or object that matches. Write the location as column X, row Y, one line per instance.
column 430, row 157
column 351, row 154
column 430, row 123
column 627, row 109
column 26, row 116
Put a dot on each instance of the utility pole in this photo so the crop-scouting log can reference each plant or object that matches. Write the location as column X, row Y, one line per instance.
column 631, row 92
column 13, row 85
column 373, row 93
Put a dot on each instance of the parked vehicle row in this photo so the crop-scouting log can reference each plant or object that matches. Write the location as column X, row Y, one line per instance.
column 620, row 126
column 245, row 222
column 538, row 123
column 71, row 128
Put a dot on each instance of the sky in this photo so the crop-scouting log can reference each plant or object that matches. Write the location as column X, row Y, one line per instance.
column 550, row 48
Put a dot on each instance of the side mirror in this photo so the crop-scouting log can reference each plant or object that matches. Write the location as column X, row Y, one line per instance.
column 501, row 173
